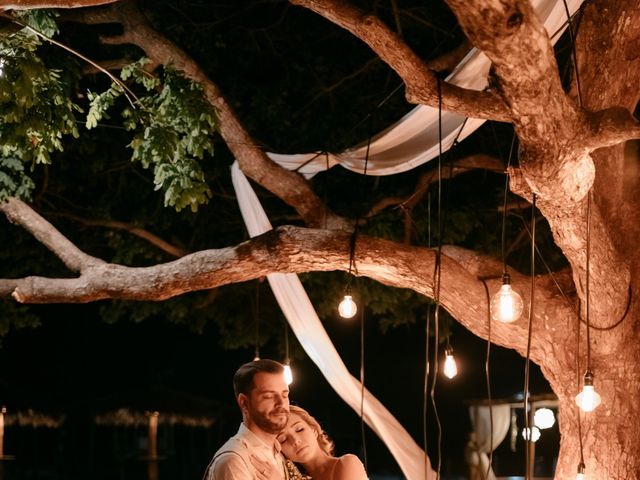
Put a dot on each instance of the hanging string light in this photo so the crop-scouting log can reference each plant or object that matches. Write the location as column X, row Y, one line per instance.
column 450, row 368
column 288, row 374
column 347, row 307
column 506, row 304
column 588, row 399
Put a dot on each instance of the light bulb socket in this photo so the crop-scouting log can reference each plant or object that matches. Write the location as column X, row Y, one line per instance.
column 506, row 279
column 581, row 468
column 588, row 378
column 286, row 362
column 448, row 351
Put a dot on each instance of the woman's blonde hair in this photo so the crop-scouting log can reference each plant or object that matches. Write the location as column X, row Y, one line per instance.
column 323, row 439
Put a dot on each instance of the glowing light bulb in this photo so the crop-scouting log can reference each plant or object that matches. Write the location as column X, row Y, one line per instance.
column 535, row 434
column 588, row 399
column 544, row 418
column 580, row 475
column 347, row 307
column 288, row 374
column 1, row 67
column 450, row 368
column 506, row 305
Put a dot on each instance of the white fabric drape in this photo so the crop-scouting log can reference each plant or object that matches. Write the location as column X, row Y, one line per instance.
column 413, row 140
column 306, row 325
column 482, row 442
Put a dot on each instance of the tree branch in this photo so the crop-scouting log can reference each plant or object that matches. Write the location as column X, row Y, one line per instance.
column 284, row 250
column 20, row 213
column 35, row 4
column 289, row 186
column 421, row 83
column 453, row 169
column 155, row 240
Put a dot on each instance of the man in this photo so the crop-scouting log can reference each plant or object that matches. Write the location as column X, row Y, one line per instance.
column 263, row 397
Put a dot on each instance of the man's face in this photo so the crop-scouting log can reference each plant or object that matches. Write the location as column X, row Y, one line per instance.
column 267, row 406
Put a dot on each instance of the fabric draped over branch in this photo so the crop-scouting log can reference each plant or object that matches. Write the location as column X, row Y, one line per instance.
column 414, row 139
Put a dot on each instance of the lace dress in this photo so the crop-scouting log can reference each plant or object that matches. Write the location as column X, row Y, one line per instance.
column 293, row 473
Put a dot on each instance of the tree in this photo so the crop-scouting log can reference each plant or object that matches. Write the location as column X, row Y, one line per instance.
column 571, row 146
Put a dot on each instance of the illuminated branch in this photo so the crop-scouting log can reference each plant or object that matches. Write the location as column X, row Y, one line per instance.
column 420, row 81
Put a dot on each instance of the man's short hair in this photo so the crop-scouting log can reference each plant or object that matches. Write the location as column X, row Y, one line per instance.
column 243, row 379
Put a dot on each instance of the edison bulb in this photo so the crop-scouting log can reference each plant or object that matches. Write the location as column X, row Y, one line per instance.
column 588, row 399
column 506, row 305
column 544, row 418
column 450, row 368
column 288, row 374
column 347, row 307
column 580, row 475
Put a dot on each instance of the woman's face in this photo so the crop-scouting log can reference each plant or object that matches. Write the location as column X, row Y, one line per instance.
column 298, row 440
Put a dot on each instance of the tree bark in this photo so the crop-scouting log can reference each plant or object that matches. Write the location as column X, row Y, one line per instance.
column 35, row 4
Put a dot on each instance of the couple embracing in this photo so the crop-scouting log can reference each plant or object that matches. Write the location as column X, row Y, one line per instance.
column 274, row 438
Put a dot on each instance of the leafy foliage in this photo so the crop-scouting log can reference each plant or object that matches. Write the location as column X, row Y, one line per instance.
column 42, row 20
column 13, row 180
column 174, row 127
column 35, row 108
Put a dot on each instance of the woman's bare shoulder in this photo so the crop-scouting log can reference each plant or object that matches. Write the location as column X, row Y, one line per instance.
column 349, row 467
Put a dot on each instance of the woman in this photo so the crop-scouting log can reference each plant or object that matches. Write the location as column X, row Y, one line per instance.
column 304, row 442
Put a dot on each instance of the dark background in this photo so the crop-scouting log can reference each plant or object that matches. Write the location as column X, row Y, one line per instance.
column 74, row 361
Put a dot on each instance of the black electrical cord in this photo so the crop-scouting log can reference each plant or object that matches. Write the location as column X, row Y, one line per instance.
column 436, row 287
column 527, row 428
column 256, row 355
column 488, row 375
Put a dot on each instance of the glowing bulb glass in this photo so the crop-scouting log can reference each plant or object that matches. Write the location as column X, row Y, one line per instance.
column 544, row 418
column 580, row 476
column 588, row 399
column 535, row 434
column 1, row 67
column 288, row 374
column 450, row 368
column 506, row 305
column 347, row 307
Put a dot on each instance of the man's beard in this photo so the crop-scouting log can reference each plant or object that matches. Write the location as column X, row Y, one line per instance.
column 270, row 426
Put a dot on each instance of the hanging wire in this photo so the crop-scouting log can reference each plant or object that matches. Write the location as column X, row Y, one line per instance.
column 527, row 426
column 286, row 340
column 587, row 280
column 426, row 355
column 578, row 383
column 256, row 355
column 436, row 286
column 362, row 316
column 570, row 302
column 573, row 51
column 504, row 205
column 362, row 390
column 488, row 375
